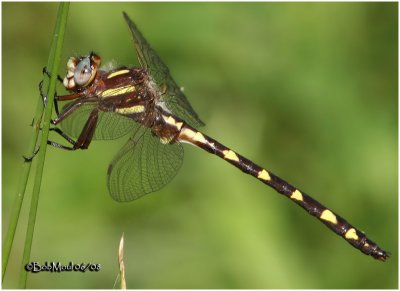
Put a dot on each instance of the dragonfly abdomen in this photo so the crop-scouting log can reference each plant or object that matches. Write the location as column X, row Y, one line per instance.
column 333, row 221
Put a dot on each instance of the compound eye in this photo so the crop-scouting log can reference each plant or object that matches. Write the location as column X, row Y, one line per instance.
column 84, row 73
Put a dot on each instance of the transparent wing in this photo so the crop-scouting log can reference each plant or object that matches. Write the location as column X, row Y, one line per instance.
column 109, row 124
column 172, row 95
column 142, row 166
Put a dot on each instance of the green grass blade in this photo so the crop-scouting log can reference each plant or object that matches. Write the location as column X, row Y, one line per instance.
column 57, row 43
column 26, row 167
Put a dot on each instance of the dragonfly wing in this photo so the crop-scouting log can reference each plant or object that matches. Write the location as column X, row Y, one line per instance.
column 142, row 166
column 109, row 124
column 171, row 94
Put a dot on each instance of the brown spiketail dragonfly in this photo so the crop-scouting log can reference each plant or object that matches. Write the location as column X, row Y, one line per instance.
column 147, row 104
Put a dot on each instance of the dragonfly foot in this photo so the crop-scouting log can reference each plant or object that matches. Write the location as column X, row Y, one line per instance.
column 30, row 158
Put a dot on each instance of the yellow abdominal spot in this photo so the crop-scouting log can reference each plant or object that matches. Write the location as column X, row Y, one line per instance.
column 230, row 155
column 130, row 110
column 263, row 175
column 297, row 195
column 117, row 91
column 351, row 234
column 328, row 216
column 117, row 73
column 170, row 120
column 199, row 137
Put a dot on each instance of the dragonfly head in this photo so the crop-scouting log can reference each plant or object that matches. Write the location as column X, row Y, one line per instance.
column 81, row 71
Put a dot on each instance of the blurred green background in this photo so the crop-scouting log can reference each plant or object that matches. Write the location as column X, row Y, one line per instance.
column 308, row 90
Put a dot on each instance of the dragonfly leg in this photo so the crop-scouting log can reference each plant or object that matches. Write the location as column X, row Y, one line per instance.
column 56, row 105
column 44, row 96
column 30, row 158
column 63, row 135
column 66, row 137
column 67, row 111
column 45, row 71
column 88, row 131
column 60, row 146
column 84, row 138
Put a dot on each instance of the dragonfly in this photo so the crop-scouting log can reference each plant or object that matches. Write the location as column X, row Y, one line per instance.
column 148, row 104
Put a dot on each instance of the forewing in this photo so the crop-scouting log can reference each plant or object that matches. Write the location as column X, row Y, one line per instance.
column 142, row 166
column 109, row 124
column 171, row 94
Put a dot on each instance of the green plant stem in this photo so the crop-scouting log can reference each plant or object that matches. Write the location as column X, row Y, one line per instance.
column 26, row 167
column 58, row 39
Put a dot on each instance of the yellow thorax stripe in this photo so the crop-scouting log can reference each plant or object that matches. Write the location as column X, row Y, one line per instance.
column 117, row 91
column 130, row 110
column 117, row 73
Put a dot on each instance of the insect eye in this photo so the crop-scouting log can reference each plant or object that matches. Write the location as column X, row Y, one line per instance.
column 84, row 73
column 81, row 71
